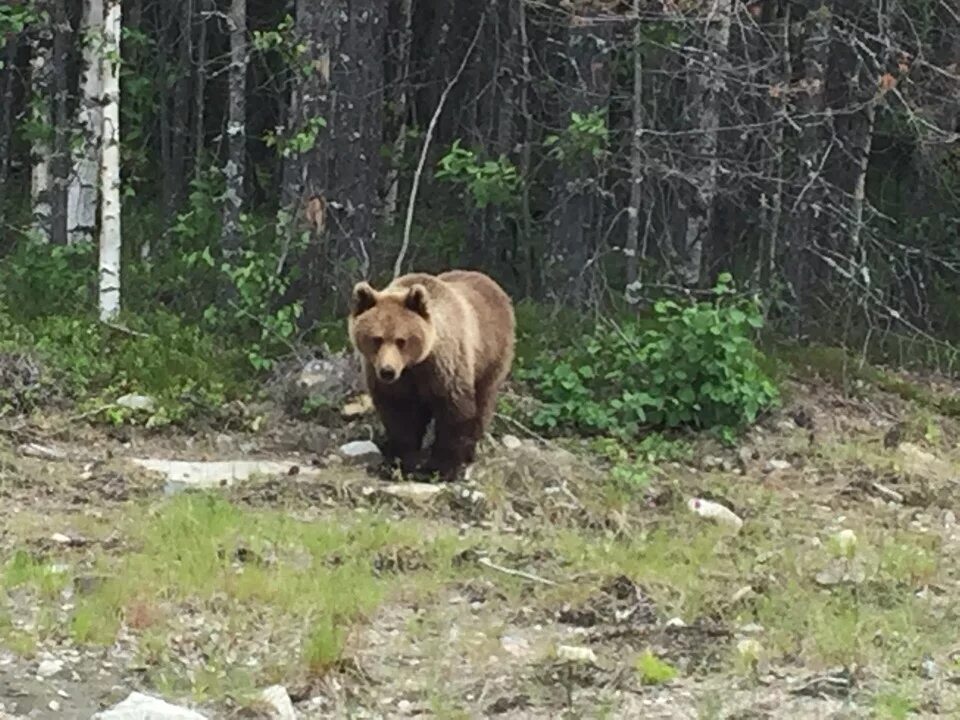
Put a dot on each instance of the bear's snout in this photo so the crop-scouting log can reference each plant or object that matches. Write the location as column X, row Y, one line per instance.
column 387, row 373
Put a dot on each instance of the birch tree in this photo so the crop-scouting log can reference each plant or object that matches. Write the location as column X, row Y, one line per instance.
column 110, row 237
column 236, row 127
column 41, row 112
column 706, row 89
column 82, row 191
column 7, row 76
column 60, row 157
column 636, row 158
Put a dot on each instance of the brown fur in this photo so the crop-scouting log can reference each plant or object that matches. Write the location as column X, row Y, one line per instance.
column 449, row 340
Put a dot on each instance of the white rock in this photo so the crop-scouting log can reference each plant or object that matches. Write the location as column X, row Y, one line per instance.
column 749, row 649
column 137, row 402
column 360, row 451
column 49, row 668
column 847, row 540
column 776, row 465
column 675, row 623
column 715, row 511
column 61, row 539
column 54, row 705
column 710, row 462
column 511, row 442
column 572, row 653
column 412, row 490
column 278, row 699
column 138, row 706
column 218, row 472
column 516, row 646
column 41, row 452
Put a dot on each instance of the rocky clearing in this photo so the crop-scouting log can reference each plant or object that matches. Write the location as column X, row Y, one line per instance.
column 538, row 588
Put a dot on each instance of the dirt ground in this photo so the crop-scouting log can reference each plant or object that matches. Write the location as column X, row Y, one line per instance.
column 536, row 588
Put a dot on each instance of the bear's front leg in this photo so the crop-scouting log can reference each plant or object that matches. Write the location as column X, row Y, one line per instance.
column 457, row 434
column 405, row 423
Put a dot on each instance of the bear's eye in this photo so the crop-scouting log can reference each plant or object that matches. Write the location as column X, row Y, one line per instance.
column 378, row 341
column 400, row 343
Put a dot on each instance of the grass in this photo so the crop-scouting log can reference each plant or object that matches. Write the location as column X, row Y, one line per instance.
column 251, row 570
column 652, row 670
column 858, row 378
column 307, row 590
column 203, row 585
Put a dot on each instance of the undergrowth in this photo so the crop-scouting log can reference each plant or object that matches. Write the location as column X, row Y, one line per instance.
column 185, row 371
column 691, row 364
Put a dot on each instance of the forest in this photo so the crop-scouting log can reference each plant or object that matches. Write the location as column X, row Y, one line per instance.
column 729, row 229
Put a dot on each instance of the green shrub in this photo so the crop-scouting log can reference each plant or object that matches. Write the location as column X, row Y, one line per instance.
column 40, row 279
column 693, row 364
column 185, row 370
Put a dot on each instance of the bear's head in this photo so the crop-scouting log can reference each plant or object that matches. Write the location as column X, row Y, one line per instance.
column 391, row 329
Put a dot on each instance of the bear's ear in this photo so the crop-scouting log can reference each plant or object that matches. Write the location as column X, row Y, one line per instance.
column 364, row 297
column 417, row 300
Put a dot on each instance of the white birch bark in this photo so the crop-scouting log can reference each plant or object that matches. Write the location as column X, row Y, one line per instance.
column 82, row 192
column 636, row 160
column 110, row 237
column 236, row 127
column 41, row 79
column 708, row 89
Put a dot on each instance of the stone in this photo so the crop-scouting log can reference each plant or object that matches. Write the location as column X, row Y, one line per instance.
column 49, row 668
column 411, row 490
column 41, row 452
column 573, row 653
column 278, row 700
column 215, row 473
column 138, row 706
column 511, row 442
column 360, row 451
column 132, row 401
column 357, row 407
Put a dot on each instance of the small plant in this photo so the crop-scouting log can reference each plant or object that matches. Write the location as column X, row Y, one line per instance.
column 693, row 364
column 634, row 465
column 586, row 137
column 652, row 670
column 488, row 182
column 323, row 647
column 40, row 279
column 185, row 370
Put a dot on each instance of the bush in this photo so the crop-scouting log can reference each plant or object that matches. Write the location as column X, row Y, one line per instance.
column 693, row 364
column 186, row 371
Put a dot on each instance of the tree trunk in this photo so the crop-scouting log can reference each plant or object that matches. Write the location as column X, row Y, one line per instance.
column 181, row 101
column 636, row 161
column 60, row 160
column 863, row 148
column 578, row 185
column 533, row 265
column 110, row 237
column 82, row 191
column 706, row 87
column 304, row 168
column 200, row 88
column 356, row 126
column 401, row 83
column 42, row 80
column 236, row 128
column 7, row 75
column 773, row 211
column 808, row 207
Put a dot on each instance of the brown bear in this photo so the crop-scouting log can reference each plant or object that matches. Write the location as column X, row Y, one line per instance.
column 434, row 347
